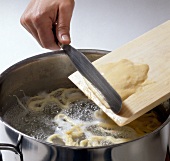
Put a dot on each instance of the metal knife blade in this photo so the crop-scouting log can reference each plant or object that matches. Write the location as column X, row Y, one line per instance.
column 86, row 68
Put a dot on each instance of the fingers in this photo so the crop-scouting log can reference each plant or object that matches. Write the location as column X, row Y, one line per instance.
column 63, row 22
column 41, row 30
column 45, row 33
column 30, row 28
column 40, row 16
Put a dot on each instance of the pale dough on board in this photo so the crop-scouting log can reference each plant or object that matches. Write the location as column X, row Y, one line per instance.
column 124, row 76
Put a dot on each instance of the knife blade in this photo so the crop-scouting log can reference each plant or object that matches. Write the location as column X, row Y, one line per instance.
column 86, row 68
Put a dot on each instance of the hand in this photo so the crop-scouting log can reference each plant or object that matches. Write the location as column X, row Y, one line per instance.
column 41, row 16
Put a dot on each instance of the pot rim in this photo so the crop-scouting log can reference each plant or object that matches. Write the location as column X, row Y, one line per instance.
column 52, row 54
column 44, row 56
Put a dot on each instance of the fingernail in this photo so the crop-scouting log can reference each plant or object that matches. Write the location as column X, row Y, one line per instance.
column 65, row 37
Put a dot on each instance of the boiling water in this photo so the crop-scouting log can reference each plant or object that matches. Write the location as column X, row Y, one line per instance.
column 58, row 113
column 41, row 125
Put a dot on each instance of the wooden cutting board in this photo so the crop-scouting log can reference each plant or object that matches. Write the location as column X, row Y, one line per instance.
column 152, row 48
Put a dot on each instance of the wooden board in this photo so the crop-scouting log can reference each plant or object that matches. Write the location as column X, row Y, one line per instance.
column 152, row 48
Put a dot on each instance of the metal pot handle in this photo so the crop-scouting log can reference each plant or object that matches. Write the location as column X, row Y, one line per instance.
column 13, row 148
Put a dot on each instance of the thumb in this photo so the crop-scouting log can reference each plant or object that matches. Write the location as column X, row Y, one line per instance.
column 63, row 24
column 63, row 35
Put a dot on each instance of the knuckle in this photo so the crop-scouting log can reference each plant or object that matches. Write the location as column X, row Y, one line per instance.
column 39, row 18
column 36, row 19
column 25, row 20
column 22, row 21
column 63, row 28
column 67, row 5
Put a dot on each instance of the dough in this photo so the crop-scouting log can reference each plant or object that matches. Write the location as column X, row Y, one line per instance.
column 124, row 76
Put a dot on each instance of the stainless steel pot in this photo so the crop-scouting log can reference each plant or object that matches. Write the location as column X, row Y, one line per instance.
column 50, row 71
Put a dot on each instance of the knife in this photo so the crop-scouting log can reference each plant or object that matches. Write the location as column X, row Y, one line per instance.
column 86, row 68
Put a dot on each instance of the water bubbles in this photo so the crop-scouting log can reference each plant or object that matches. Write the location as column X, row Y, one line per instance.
column 63, row 112
column 51, row 109
column 35, row 124
column 81, row 110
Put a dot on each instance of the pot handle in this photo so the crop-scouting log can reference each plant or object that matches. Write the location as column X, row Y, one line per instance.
column 13, row 148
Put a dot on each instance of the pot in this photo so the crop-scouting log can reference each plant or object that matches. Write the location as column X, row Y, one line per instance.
column 50, row 71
